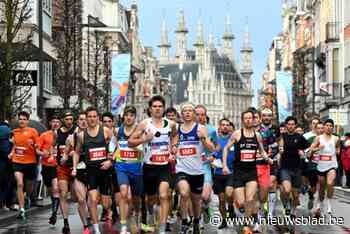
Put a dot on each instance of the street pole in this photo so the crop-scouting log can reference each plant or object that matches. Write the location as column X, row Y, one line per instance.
column 41, row 78
column 88, row 49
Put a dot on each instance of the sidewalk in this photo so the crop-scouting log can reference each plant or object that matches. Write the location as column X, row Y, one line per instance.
column 11, row 215
column 342, row 192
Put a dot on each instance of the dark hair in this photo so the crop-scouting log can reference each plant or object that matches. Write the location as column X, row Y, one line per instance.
column 291, row 118
column 329, row 121
column 90, row 109
column 208, row 119
column 171, row 110
column 347, row 134
column 54, row 117
column 299, row 126
column 253, row 110
column 315, row 118
column 282, row 125
column 246, row 112
column 107, row 114
column 155, row 99
column 232, row 125
column 129, row 109
column 24, row 113
column 66, row 114
column 224, row 119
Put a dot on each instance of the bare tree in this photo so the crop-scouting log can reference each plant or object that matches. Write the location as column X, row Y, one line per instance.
column 67, row 35
column 15, row 40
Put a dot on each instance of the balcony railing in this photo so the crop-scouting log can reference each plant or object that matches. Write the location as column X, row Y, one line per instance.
column 333, row 31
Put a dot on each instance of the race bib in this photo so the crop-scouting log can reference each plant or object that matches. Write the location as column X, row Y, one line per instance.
column 188, row 151
column 96, row 154
column 325, row 157
column 315, row 158
column 160, row 157
column 248, row 155
column 20, row 151
column 129, row 155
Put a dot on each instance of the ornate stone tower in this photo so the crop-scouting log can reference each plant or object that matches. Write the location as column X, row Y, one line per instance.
column 246, row 69
column 228, row 37
column 199, row 44
column 164, row 44
column 181, row 37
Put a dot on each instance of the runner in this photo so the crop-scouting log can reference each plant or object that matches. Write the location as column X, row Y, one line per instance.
column 291, row 144
column 328, row 147
column 158, row 135
column 64, row 166
column 92, row 144
column 223, row 184
column 108, row 122
column 267, row 174
column 202, row 118
column 246, row 142
column 128, row 168
column 24, row 160
column 310, row 163
column 171, row 114
column 193, row 138
column 48, row 153
column 80, row 181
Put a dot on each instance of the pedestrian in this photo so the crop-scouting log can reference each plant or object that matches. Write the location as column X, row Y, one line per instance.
column 7, row 183
column 345, row 158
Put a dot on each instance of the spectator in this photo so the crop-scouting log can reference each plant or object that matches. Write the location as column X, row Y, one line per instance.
column 7, row 181
column 345, row 158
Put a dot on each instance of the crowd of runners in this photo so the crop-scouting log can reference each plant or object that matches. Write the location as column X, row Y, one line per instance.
column 166, row 168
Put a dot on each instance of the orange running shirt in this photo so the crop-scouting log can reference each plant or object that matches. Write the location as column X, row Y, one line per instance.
column 46, row 141
column 23, row 145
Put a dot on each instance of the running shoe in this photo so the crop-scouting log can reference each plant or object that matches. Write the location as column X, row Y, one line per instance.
column 27, row 203
column 21, row 215
column 53, row 219
column 184, row 228
column 168, row 227
column 66, row 229
column 147, row 228
column 86, row 231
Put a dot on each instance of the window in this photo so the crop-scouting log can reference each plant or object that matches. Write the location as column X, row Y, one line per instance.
column 335, row 65
column 47, row 76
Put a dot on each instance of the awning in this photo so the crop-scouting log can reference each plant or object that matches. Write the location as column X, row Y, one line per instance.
column 26, row 52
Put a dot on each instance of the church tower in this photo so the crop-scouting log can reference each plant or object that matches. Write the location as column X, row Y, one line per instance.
column 181, row 37
column 228, row 37
column 199, row 44
column 164, row 44
column 246, row 69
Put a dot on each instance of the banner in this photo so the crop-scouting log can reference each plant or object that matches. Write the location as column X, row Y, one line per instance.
column 121, row 64
column 284, row 82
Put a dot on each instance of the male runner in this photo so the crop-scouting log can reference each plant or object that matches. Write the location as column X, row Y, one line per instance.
column 158, row 135
column 328, row 147
column 193, row 138
column 128, row 168
column 24, row 159
column 290, row 145
column 202, row 117
column 223, row 183
column 267, row 174
column 64, row 166
column 92, row 144
column 80, row 181
column 246, row 142
column 48, row 153
column 310, row 165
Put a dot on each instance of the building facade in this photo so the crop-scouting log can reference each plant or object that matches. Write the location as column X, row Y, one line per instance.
column 207, row 75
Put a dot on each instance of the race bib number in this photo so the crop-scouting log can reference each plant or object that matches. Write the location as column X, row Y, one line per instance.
column 188, row 151
column 325, row 157
column 20, row 151
column 160, row 157
column 248, row 155
column 96, row 154
column 129, row 155
column 315, row 158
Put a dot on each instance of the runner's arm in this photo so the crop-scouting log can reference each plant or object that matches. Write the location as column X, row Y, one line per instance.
column 229, row 144
column 337, row 146
column 76, row 151
column 208, row 144
column 174, row 138
column 314, row 146
column 136, row 138
column 262, row 150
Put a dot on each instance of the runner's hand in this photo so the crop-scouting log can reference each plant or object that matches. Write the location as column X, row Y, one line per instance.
column 173, row 150
column 106, row 165
column 270, row 161
column 74, row 172
column 225, row 170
